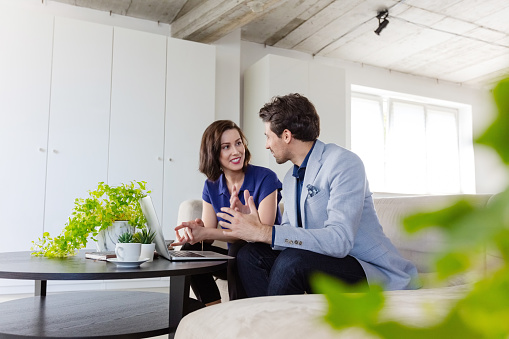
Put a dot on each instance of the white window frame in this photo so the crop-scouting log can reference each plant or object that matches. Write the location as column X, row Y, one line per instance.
column 463, row 115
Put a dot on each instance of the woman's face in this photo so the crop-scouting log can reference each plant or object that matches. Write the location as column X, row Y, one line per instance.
column 232, row 151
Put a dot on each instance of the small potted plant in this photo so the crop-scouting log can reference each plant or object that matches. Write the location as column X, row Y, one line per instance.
column 126, row 238
column 93, row 217
column 146, row 239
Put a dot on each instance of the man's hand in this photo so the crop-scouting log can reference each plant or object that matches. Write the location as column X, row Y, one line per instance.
column 235, row 202
column 192, row 232
column 245, row 226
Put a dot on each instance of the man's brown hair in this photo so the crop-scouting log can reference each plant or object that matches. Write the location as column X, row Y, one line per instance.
column 293, row 112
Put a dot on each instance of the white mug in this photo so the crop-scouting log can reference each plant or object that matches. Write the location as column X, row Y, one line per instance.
column 128, row 251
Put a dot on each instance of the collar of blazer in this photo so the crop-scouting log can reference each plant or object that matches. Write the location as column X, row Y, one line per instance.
column 314, row 165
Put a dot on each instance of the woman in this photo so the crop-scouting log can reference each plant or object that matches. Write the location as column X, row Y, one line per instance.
column 224, row 159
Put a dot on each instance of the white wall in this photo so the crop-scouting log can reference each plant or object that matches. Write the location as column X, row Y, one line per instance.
column 228, row 78
column 275, row 75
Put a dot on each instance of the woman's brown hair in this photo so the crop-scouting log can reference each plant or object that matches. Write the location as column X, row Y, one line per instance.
column 210, row 148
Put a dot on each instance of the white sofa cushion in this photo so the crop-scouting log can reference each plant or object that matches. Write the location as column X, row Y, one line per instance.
column 421, row 248
column 301, row 316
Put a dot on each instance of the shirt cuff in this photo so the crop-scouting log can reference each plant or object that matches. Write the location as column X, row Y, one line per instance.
column 273, row 235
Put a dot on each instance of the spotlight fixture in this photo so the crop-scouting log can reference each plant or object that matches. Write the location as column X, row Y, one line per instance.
column 382, row 20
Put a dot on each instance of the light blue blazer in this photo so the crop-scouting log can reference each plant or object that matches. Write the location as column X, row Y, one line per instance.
column 339, row 218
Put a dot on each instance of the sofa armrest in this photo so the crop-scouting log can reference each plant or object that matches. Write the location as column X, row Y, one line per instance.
column 190, row 210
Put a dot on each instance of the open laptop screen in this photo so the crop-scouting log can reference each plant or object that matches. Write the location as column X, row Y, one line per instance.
column 153, row 225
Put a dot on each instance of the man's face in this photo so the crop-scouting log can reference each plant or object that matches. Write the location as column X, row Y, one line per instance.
column 276, row 145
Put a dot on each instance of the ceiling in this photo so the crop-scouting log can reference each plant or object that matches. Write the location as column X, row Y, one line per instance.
column 460, row 41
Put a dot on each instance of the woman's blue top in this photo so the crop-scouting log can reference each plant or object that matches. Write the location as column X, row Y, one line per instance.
column 259, row 181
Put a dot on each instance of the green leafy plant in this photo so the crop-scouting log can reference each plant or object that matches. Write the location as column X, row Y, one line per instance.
column 104, row 205
column 470, row 231
column 126, row 238
column 144, row 236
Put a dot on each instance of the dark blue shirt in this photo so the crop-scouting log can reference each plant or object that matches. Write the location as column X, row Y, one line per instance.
column 298, row 173
column 259, row 181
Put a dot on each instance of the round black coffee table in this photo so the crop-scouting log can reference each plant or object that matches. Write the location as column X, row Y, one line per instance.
column 95, row 314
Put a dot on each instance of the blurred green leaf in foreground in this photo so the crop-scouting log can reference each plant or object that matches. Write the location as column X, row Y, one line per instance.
column 470, row 231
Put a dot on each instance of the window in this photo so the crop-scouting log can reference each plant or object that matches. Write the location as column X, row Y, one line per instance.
column 409, row 146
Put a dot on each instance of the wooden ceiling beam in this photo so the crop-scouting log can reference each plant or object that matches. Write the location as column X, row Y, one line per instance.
column 214, row 19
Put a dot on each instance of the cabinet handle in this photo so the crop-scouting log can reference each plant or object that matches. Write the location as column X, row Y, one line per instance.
column 55, row 151
column 159, row 158
column 42, row 149
column 170, row 159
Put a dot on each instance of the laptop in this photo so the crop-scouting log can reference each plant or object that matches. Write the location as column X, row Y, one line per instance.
column 161, row 248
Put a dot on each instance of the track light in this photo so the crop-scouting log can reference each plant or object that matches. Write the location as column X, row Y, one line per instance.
column 382, row 21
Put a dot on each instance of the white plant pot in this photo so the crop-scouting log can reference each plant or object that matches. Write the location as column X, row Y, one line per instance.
column 147, row 251
column 107, row 239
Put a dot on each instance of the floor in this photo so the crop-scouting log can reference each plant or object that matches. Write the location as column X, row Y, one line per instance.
column 8, row 297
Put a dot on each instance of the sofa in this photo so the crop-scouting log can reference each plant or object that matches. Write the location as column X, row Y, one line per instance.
column 301, row 316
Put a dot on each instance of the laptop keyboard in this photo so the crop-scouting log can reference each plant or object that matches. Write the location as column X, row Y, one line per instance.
column 184, row 254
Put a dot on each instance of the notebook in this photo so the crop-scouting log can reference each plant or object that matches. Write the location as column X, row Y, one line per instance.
column 153, row 225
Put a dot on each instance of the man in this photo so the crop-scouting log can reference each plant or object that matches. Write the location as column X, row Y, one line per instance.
column 329, row 223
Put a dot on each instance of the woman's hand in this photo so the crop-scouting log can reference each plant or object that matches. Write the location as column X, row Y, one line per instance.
column 189, row 232
column 236, row 204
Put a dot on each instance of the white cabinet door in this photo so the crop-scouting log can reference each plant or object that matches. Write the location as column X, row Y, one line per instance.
column 137, row 111
column 79, row 116
column 190, row 101
column 25, row 72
